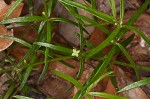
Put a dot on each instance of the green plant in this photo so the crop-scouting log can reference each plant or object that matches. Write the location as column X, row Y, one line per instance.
column 43, row 45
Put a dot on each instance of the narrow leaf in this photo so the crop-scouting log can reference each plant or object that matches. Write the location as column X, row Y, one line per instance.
column 64, row 20
column 105, row 95
column 135, row 17
column 34, row 47
column 9, row 91
column 23, row 19
column 27, row 44
column 93, row 2
column 103, row 65
column 90, row 21
column 125, row 43
column 55, row 47
column 105, row 43
column 77, row 95
column 129, row 59
column 6, row 70
column 68, row 78
column 95, row 75
column 121, row 11
column 136, row 84
column 89, row 9
column 21, row 97
column 130, row 65
column 31, row 11
column 13, row 8
column 48, row 37
column 98, row 80
column 140, row 33
column 113, row 8
column 27, row 72
column 60, row 59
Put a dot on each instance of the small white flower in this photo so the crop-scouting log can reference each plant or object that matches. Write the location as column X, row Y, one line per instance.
column 115, row 23
column 43, row 13
column 75, row 52
column 25, row 61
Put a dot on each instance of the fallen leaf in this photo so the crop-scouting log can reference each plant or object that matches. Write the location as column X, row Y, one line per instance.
column 4, row 8
column 3, row 86
column 104, row 5
column 5, row 43
column 98, row 37
column 69, row 31
column 123, row 80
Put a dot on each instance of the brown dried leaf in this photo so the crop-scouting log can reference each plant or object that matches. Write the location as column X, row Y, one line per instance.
column 4, row 43
column 3, row 86
column 123, row 80
column 68, row 31
column 4, row 8
column 104, row 6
